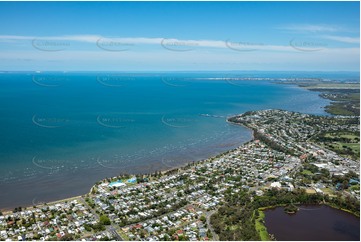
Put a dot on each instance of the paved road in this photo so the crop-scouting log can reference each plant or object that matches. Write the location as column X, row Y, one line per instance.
column 109, row 228
column 208, row 217
column 115, row 233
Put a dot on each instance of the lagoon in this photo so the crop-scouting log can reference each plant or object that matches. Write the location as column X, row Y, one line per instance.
column 312, row 223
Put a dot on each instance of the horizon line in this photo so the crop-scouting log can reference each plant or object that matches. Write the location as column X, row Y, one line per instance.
column 1, row 71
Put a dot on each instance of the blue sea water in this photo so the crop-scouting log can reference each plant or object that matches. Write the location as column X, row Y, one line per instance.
column 61, row 132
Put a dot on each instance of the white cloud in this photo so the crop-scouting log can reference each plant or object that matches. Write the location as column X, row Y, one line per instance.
column 167, row 43
column 80, row 38
column 313, row 28
column 344, row 39
column 225, row 54
column 172, row 43
column 327, row 59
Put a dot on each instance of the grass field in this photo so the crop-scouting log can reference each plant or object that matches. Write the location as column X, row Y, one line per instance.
column 261, row 228
column 337, row 146
column 310, row 191
column 346, row 135
column 307, row 172
column 345, row 143
column 354, row 147
column 123, row 235
column 355, row 187
column 327, row 191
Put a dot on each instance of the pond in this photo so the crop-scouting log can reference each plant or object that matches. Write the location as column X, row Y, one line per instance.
column 312, row 223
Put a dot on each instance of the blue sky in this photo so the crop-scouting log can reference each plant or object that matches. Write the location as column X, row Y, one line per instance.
column 177, row 36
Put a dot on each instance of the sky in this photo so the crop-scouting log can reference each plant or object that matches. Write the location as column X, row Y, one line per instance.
column 179, row 36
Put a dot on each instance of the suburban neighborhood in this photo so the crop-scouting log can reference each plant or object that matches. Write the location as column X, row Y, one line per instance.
column 177, row 204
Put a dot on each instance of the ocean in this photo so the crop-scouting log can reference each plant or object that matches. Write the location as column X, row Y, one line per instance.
column 62, row 132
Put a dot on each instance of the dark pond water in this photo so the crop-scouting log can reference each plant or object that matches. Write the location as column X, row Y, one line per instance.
column 313, row 223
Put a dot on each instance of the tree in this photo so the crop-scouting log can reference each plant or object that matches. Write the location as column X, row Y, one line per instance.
column 87, row 227
column 104, row 220
column 106, row 238
column 98, row 227
column 67, row 237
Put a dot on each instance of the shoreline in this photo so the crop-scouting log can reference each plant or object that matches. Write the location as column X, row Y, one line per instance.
column 260, row 225
column 162, row 171
column 6, row 211
column 165, row 169
column 81, row 187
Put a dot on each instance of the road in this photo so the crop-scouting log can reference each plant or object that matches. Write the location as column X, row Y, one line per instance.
column 109, row 228
column 208, row 217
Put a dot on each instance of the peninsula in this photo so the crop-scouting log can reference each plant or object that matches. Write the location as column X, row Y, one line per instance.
column 289, row 162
